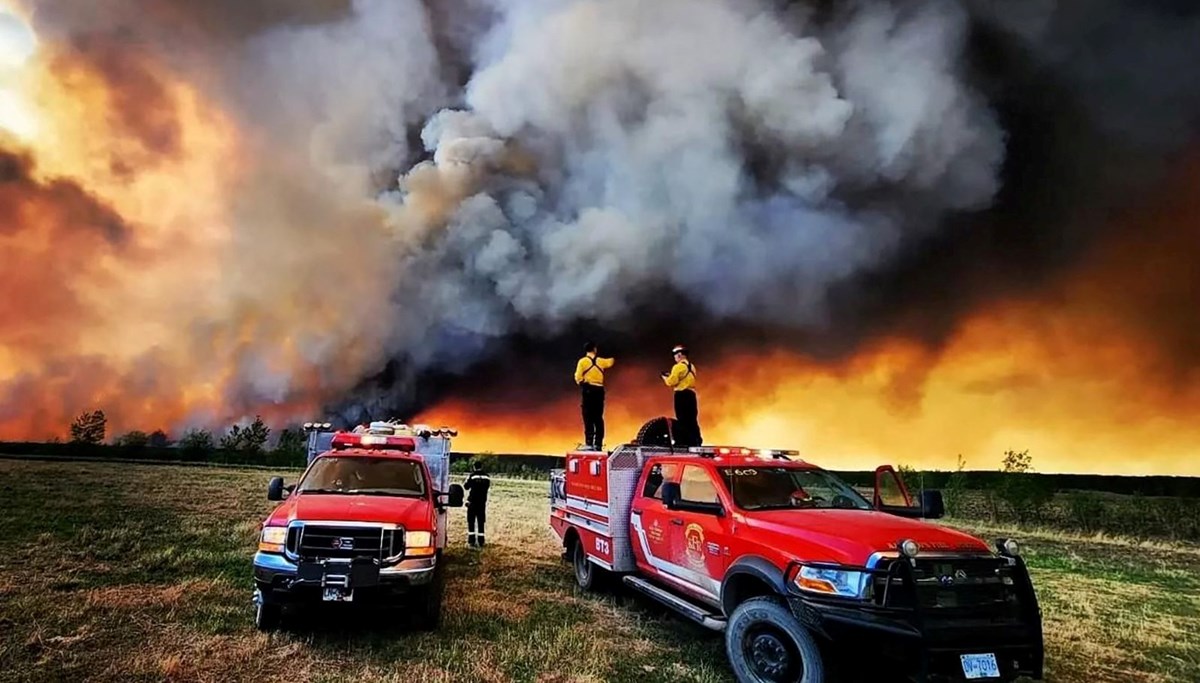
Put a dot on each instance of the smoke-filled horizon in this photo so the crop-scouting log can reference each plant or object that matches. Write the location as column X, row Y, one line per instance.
column 224, row 209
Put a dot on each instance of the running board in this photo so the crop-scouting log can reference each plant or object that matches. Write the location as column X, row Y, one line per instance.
column 683, row 606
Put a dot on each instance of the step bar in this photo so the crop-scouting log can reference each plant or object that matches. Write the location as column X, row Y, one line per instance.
column 685, row 607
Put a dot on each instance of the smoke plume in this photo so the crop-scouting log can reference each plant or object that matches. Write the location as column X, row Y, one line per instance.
column 289, row 207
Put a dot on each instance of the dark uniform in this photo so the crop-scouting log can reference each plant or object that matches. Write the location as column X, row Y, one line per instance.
column 477, row 486
column 682, row 378
column 589, row 375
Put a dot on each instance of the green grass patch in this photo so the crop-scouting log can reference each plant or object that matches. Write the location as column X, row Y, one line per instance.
column 117, row 572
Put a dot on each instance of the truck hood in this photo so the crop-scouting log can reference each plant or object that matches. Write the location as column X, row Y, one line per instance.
column 413, row 513
column 852, row 536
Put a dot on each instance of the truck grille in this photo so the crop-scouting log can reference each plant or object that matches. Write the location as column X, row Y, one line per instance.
column 338, row 542
column 979, row 586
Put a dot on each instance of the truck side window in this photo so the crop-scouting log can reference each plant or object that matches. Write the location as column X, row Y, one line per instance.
column 658, row 474
column 697, row 486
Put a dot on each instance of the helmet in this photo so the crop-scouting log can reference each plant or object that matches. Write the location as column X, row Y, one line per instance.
column 679, row 348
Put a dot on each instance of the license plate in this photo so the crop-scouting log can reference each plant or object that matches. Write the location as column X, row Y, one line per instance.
column 337, row 595
column 980, row 666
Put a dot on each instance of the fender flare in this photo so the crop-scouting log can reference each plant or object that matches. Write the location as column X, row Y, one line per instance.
column 754, row 566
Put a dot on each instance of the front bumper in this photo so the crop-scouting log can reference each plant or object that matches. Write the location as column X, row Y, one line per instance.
column 926, row 644
column 280, row 580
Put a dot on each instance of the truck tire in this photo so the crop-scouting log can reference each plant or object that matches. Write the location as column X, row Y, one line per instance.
column 430, row 599
column 766, row 644
column 267, row 616
column 656, row 432
column 587, row 574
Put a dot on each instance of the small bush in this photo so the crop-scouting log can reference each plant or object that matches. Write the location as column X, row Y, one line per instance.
column 953, row 493
column 250, row 439
column 292, row 442
column 1085, row 511
column 134, row 439
column 197, row 442
column 89, row 428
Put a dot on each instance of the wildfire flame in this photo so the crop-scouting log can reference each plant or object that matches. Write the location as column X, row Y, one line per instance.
column 1081, row 374
column 125, row 288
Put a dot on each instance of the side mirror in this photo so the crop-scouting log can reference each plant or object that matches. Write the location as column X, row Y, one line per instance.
column 932, row 504
column 455, row 497
column 275, row 489
column 670, row 494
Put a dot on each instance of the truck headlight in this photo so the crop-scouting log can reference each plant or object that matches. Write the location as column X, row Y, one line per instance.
column 272, row 539
column 419, row 544
column 841, row 582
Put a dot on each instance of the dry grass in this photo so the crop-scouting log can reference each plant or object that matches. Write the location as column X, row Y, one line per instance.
column 126, row 572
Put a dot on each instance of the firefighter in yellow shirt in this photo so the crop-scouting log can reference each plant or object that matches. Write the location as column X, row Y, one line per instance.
column 589, row 375
column 682, row 378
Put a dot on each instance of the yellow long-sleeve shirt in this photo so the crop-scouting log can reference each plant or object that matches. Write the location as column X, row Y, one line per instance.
column 682, row 376
column 590, row 370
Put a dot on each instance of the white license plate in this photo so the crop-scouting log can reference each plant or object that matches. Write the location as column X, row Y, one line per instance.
column 337, row 595
column 980, row 666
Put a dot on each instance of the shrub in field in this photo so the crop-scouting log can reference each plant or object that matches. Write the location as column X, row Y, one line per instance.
column 1085, row 511
column 293, row 442
column 1024, row 493
column 954, row 489
column 134, row 439
column 158, row 439
column 89, row 428
column 197, row 442
column 250, row 439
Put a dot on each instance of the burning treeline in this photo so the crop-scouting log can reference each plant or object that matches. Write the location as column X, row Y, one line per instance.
column 889, row 230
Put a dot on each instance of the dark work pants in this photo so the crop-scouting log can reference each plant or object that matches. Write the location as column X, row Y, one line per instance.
column 687, row 419
column 476, row 516
column 592, row 403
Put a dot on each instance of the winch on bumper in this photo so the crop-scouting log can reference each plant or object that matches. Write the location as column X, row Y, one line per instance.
column 935, row 618
column 338, row 562
column 278, row 579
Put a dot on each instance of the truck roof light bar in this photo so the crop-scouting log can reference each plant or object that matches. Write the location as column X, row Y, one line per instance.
column 317, row 427
column 386, row 442
column 715, row 451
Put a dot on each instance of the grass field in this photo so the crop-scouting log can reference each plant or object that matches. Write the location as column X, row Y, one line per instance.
column 132, row 572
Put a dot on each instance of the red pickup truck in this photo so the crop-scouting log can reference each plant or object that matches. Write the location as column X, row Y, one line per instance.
column 365, row 524
column 796, row 567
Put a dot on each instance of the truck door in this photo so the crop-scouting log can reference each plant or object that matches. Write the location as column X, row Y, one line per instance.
column 890, row 490
column 700, row 541
column 651, row 538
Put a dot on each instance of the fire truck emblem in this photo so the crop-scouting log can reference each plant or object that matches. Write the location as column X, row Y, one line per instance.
column 655, row 532
column 694, row 534
column 343, row 543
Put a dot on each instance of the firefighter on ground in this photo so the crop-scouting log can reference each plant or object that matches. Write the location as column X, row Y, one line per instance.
column 477, row 485
column 589, row 375
column 682, row 378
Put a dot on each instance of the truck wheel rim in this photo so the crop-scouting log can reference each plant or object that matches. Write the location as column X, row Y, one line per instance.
column 770, row 656
column 581, row 566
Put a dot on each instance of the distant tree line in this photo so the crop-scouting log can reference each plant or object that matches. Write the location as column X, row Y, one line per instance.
column 1155, row 506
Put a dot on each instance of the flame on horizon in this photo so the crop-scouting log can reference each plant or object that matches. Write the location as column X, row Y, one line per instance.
column 181, row 261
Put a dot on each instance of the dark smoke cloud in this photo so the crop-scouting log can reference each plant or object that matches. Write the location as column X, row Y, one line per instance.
column 1042, row 119
column 505, row 178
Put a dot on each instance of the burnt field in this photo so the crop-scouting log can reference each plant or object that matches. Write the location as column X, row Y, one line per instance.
column 127, row 572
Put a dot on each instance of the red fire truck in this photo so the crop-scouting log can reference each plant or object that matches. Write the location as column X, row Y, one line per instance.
column 794, row 565
column 366, row 523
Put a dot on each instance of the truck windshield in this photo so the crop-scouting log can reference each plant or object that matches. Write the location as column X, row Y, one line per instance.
column 762, row 488
column 364, row 476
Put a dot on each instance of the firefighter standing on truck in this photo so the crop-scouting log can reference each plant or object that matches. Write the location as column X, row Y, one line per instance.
column 682, row 378
column 477, row 485
column 589, row 375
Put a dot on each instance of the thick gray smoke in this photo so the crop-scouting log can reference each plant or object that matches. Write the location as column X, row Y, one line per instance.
column 434, row 179
column 604, row 150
